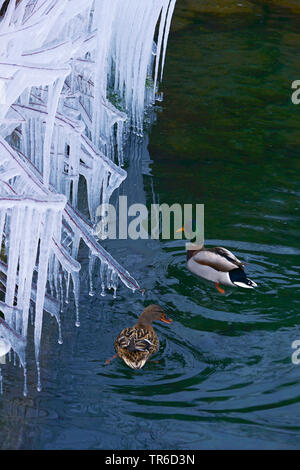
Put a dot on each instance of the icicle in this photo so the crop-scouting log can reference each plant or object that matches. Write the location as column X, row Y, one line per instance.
column 120, row 132
column 15, row 237
column 46, row 236
column 61, row 291
column 75, row 279
column 30, row 248
column 166, row 35
column 115, row 279
column 60, row 340
column 103, row 267
column 67, row 288
column 53, row 97
column 91, row 271
column 56, row 277
column 109, row 273
column 158, row 46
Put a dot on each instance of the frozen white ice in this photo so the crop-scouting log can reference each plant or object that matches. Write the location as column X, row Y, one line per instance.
column 76, row 79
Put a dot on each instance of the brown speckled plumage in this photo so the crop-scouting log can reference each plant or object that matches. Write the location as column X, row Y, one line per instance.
column 134, row 345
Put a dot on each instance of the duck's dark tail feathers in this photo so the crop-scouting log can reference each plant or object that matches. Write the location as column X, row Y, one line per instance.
column 239, row 278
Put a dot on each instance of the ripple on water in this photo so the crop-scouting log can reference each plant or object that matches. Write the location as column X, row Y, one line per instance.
column 223, row 356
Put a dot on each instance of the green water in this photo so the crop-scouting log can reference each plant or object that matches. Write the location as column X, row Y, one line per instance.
column 228, row 136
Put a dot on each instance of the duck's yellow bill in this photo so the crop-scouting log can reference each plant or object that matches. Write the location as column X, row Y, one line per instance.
column 180, row 230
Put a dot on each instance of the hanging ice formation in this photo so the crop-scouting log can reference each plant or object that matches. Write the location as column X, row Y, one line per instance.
column 76, row 78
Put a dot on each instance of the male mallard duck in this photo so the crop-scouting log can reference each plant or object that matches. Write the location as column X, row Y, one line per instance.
column 137, row 343
column 218, row 265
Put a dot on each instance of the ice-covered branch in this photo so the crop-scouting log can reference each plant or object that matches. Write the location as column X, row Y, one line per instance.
column 76, row 79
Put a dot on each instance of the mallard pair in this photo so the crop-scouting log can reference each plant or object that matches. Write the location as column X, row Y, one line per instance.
column 136, row 344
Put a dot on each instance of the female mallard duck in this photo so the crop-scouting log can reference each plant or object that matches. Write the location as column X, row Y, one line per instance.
column 218, row 265
column 137, row 343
